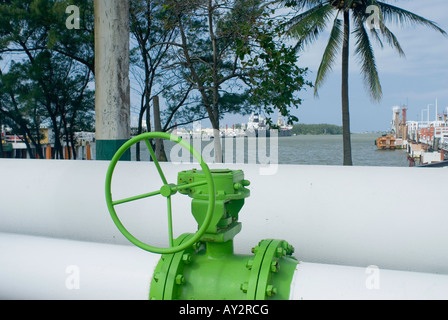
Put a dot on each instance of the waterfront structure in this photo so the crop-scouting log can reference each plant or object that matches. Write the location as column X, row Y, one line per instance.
column 16, row 146
column 426, row 142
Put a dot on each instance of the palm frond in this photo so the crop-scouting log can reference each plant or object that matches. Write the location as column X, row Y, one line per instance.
column 330, row 53
column 348, row 3
column 302, row 4
column 400, row 16
column 391, row 39
column 374, row 33
column 307, row 26
column 364, row 50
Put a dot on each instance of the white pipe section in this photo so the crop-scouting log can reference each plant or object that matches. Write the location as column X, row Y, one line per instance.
column 394, row 218
column 52, row 269
column 55, row 269
column 331, row 282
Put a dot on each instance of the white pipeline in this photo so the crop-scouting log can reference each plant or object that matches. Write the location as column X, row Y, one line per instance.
column 394, row 218
column 314, row 281
column 51, row 269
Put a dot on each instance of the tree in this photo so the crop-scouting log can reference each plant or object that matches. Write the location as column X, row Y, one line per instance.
column 229, row 51
column 47, row 90
column 41, row 24
column 367, row 16
column 147, row 28
column 48, row 81
column 21, row 117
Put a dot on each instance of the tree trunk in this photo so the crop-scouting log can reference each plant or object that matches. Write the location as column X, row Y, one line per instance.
column 345, row 98
column 160, row 148
column 1, row 139
column 28, row 148
column 58, row 153
column 215, row 112
column 73, row 143
column 217, row 142
column 139, row 129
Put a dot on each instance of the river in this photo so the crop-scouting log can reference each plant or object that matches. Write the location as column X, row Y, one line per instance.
column 327, row 150
column 301, row 150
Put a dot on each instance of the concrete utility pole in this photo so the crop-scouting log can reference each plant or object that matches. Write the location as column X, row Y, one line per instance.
column 112, row 88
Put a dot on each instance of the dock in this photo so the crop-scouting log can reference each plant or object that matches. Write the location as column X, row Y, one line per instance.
column 426, row 142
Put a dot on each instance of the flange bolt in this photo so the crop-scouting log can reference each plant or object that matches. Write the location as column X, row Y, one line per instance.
column 289, row 248
column 280, row 252
column 180, row 279
column 186, row 258
column 275, row 266
column 270, row 290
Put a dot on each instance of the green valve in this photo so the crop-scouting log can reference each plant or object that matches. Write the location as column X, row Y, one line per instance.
column 203, row 265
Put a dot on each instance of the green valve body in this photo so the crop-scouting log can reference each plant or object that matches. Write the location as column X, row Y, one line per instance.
column 203, row 265
column 209, row 270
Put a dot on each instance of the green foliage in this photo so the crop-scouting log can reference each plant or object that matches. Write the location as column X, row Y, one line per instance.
column 275, row 77
column 206, row 60
column 50, row 67
column 233, row 55
column 316, row 129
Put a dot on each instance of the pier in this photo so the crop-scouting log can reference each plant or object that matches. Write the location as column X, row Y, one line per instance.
column 426, row 142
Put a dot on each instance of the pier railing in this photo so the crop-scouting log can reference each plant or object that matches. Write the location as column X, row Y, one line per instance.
column 442, row 133
column 428, row 133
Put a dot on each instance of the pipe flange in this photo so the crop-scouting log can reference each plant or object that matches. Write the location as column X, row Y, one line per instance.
column 272, row 270
column 169, row 276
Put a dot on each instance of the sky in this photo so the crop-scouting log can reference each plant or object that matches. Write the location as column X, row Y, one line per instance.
column 417, row 80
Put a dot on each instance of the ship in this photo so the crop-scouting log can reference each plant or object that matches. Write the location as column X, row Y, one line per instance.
column 258, row 126
column 387, row 141
column 284, row 130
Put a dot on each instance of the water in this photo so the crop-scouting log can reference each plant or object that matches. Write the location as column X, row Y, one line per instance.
column 327, row 150
column 300, row 150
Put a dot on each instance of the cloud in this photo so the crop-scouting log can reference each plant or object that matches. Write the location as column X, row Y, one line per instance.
column 426, row 49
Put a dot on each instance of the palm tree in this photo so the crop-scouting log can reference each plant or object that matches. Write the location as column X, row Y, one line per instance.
column 368, row 18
